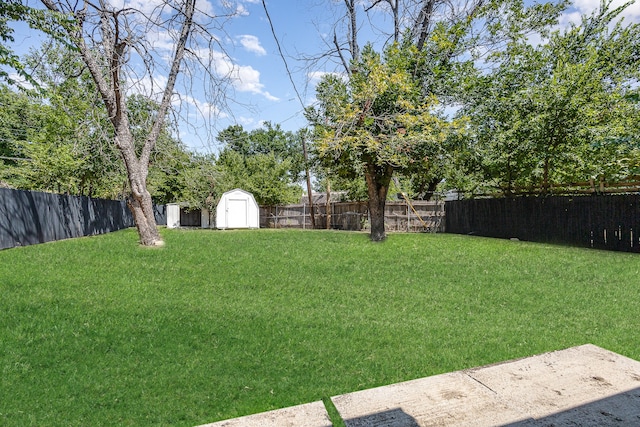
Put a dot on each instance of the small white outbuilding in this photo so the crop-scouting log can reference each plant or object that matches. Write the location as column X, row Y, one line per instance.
column 237, row 209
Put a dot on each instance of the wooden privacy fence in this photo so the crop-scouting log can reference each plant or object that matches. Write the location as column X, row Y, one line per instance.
column 31, row 217
column 354, row 216
column 600, row 221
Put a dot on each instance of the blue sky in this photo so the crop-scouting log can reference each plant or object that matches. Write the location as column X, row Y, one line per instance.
column 260, row 89
column 300, row 27
column 255, row 47
column 264, row 86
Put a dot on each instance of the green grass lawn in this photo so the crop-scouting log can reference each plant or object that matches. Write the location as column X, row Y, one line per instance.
column 99, row 331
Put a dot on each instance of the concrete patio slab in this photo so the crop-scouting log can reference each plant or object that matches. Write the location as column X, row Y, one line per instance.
column 580, row 386
column 443, row 400
column 307, row 415
column 577, row 379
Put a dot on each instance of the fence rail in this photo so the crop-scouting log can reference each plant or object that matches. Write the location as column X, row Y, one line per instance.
column 354, row 216
column 591, row 187
column 31, row 217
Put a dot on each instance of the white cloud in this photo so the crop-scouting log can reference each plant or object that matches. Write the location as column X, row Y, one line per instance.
column 246, row 121
column 241, row 10
column 204, row 7
column 270, row 97
column 160, row 39
column 631, row 13
column 205, row 109
column 244, row 78
column 252, row 44
column 20, row 81
column 149, row 86
column 145, row 6
column 585, row 7
column 314, row 77
column 238, row 8
column 153, row 87
column 569, row 18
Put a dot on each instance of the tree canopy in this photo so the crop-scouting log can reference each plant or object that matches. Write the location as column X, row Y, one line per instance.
column 561, row 111
column 267, row 162
column 377, row 122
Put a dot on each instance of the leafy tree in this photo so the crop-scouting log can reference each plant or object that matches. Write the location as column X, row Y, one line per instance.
column 353, row 187
column 16, row 10
column 18, row 119
column 9, row 10
column 77, row 117
column 115, row 45
column 560, row 111
column 33, row 136
column 263, row 175
column 378, row 121
column 267, row 162
column 440, row 41
column 198, row 182
column 66, row 137
column 265, row 140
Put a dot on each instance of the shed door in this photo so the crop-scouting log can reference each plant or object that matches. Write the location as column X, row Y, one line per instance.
column 237, row 213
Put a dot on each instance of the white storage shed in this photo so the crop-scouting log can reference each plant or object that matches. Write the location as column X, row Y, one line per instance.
column 237, row 209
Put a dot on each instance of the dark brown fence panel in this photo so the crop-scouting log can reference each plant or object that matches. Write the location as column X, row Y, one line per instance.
column 351, row 216
column 31, row 217
column 604, row 221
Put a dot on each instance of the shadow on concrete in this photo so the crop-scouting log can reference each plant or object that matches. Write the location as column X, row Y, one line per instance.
column 620, row 410
column 393, row 417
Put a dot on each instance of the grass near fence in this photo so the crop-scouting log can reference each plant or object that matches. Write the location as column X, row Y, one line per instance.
column 99, row 331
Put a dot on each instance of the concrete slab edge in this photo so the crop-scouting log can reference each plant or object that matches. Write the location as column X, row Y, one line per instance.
column 311, row 414
column 576, row 383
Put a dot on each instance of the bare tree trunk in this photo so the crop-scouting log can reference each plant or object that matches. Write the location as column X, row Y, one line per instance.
column 141, row 207
column 378, row 179
column 105, row 64
column 308, row 176
column 353, row 29
column 394, row 5
column 140, row 202
column 423, row 23
column 430, row 189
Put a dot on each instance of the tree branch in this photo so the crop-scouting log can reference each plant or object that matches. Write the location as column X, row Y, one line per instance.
column 339, row 51
column 421, row 27
column 353, row 29
column 171, row 81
